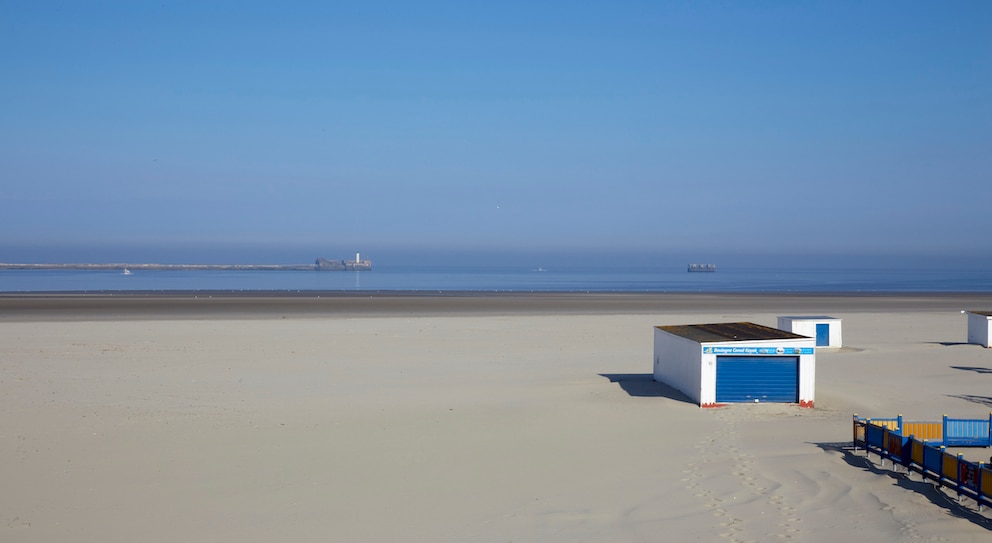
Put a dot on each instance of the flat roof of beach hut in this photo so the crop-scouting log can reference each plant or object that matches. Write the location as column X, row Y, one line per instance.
column 728, row 331
column 734, row 362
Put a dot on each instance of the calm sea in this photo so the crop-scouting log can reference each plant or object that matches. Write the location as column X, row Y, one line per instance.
column 494, row 279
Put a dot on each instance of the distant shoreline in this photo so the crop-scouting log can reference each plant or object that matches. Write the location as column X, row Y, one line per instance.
column 320, row 264
column 157, row 267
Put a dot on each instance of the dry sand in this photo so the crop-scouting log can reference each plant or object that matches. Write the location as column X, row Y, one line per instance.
column 459, row 418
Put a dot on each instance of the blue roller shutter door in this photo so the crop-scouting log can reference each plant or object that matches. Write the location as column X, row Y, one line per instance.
column 762, row 378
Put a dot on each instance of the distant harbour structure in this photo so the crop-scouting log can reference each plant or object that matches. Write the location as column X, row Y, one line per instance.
column 702, row 267
column 321, row 264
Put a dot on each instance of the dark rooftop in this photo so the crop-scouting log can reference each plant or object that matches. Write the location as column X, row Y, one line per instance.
column 983, row 313
column 728, row 331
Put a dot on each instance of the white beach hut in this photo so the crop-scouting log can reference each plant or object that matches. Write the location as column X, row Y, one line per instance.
column 980, row 327
column 826, row 330
column 715, row 364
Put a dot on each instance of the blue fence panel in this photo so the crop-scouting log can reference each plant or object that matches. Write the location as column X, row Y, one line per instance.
column 966, row 433
column 933, row 460
column 875, row 436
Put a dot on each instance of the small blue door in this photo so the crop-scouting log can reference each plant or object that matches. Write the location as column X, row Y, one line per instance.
column 757, row 378
column 822, row 334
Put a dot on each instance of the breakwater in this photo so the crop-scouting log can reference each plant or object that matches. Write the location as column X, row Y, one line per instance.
column 321, row 264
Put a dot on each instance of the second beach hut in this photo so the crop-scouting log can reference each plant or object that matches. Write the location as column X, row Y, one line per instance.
column 826, row 330
column 715, row 364
column 979, row 327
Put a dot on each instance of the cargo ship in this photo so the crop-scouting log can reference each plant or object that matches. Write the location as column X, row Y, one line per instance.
column 702, row 267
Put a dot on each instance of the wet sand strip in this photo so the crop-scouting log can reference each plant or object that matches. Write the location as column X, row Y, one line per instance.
column 316, row 304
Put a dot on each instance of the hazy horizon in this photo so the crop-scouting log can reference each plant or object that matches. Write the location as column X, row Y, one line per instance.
column 497, row 257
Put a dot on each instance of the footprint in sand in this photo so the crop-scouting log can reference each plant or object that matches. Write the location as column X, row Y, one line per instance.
column 723, row 477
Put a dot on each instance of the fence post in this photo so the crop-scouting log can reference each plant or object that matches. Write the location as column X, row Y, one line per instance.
column 886, row 437
column 957, row 479
column 940, row 466
column 981, row 474
column 854, row 430
column 895, row 466
column 909, row 465
column 867, row 422
column 943, row 430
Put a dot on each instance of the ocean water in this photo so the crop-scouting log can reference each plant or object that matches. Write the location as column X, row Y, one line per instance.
column 507, row 279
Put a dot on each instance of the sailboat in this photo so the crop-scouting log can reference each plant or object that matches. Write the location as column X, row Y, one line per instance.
column 126, row 272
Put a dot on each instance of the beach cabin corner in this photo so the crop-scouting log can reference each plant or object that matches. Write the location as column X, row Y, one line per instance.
column 826, row 330
column 739, row 362
column 980, row 327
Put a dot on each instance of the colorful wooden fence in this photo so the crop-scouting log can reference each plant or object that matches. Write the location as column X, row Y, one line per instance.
column 949, row 432
column 901, row 442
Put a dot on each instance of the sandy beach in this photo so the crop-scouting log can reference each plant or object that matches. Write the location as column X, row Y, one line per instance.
column 452, row 418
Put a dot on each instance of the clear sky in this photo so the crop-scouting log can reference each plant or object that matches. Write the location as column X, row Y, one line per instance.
column 756, row 127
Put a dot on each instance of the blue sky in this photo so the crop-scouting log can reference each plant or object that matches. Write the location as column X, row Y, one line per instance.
column 804, row 128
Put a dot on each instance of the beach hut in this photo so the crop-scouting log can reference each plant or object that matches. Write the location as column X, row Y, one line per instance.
column 826, row 330
column 980, row 327
column 716, row 364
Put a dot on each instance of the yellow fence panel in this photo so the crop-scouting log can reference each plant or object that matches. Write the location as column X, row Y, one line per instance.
column 917, row 452
column 890, row 424
column 949, row 466
column 924, row 430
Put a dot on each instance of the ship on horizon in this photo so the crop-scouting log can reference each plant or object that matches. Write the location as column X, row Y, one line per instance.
column 702, row 267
